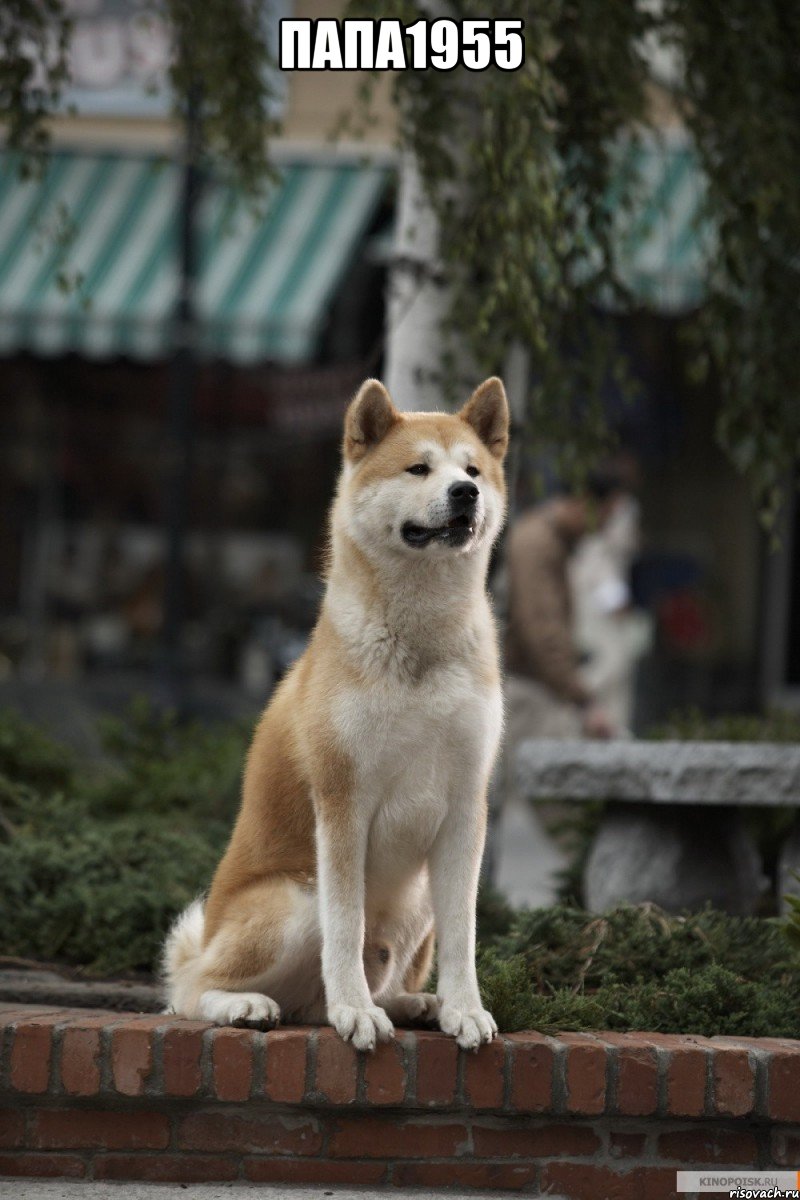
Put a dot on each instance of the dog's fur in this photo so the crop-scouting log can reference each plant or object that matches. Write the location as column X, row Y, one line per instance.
column 363, row 812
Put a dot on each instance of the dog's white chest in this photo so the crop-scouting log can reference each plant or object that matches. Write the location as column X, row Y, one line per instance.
column 392, row 731
column 415, row 750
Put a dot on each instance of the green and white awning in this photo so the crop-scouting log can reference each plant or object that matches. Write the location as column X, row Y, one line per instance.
column 88, row 252
column 663, row 245
column 88, row 257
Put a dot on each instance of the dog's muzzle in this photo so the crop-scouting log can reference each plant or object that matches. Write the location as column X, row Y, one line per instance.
column 460, row 526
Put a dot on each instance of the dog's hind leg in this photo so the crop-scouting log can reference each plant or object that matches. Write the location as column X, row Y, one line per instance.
column 412, row 1004
column 419, row 969
column 262, row 958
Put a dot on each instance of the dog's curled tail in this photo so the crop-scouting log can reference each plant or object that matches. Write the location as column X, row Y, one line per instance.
column 182, row 950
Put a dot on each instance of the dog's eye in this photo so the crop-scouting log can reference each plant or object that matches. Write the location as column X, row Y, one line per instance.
column 419, row 469
column 472, row 471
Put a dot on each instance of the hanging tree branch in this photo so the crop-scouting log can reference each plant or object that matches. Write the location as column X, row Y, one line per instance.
column 742, row 81
column 519, row 167
column 533, row 180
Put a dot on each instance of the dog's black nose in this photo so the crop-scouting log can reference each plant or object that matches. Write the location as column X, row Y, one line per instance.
column 462, row 494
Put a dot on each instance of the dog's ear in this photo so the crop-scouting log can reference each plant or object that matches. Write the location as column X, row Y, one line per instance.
column 369, row 418
column 487, row 412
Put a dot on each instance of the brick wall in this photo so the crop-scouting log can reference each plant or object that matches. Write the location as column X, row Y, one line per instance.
column 587, row 1116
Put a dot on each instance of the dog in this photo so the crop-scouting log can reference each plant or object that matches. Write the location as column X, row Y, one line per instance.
column 363, row 812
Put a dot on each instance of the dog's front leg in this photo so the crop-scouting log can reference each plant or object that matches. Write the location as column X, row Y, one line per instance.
column 454, row 866
column 341, row 857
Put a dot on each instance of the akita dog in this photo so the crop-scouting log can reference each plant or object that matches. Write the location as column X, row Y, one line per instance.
column 364, row 799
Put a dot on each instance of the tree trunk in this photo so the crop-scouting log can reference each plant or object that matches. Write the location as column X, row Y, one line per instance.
column 417, row 301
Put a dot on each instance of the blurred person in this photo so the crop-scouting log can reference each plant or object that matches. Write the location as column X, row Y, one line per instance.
column 611, row 634
column 546, row 693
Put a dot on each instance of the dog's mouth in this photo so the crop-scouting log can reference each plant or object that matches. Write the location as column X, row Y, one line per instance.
column 456, row 532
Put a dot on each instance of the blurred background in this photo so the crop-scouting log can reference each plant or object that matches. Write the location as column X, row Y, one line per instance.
column 201, row 258
column 175, row 360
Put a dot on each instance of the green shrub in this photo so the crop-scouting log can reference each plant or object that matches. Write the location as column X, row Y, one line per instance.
column 30, row 756
column 637, row 968
column 95, row 863
column 568, row 947
column 495, row 916
column 692, row 725
column 709, row 1002
column 96, row 860
column 100, row 895
column 160, row 765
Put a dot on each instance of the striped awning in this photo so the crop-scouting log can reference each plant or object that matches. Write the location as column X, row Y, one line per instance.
column 88, row 257
column 663, row 245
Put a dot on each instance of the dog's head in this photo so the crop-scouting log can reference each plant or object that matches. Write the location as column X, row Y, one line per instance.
column 427, row 484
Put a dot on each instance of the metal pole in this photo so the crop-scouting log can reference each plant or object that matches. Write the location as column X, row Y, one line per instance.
column 182, row 379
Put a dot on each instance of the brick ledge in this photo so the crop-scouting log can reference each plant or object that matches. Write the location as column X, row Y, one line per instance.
column 124, row 1096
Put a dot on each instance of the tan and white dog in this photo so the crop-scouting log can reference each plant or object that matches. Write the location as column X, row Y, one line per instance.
column 364, row 802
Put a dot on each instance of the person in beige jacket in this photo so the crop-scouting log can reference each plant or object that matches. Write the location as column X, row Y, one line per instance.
column 546, row 694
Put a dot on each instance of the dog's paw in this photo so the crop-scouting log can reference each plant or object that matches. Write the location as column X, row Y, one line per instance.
column 413, row 1006
column 469, row 1026
column 361, row 1026
column 249, row 1009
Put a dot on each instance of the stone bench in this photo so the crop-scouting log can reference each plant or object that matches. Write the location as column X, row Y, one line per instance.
column 672, row 832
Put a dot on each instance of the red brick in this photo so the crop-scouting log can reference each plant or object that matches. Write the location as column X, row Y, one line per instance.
column 506, row 1176
column 166, row 1168
column 687, row 1071
column 337, row 1068
column 91, row 1019
column 286, row 1065
column 531, row 1073
column 267, row 1132
column 726, row 1041
column 232, row 1063
column 709, row 1146
column 784, row 1085
column 626, row 1145
column 437, row 1065
column 484, row 1075
column 584, row 1182
column 534, row 1141
column 630, row 1037
column 312, row 1170
column 785, row 1148
column 12, row 1014
column 132, row 1058
column 12, row 1128
column 637, row 1074
column 585, row 1074
column 658, row 1183
column 182, row 1050
column 370, row 1137
column 73, row 1129
column 385, row 1073
column 50, row 1166
column 673, row 1041
column 80, row 1061
column 734, row 1083
column 79, row 1017
column 580, row 1181
column 31, row 1053
column 687, row 1056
